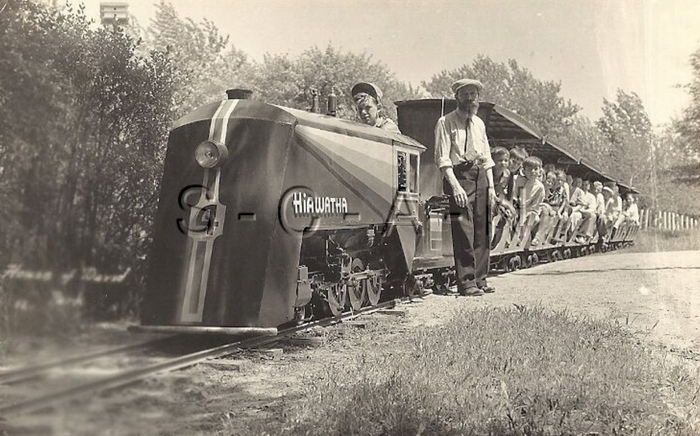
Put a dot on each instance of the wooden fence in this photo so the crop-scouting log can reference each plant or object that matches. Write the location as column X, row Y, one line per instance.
column 661, row 219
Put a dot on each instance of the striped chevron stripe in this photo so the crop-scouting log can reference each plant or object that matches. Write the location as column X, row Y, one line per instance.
column 200, row 245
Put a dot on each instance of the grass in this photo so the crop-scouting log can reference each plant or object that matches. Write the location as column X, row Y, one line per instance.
column 500, row 372
column 30, row 315
column 651, row 240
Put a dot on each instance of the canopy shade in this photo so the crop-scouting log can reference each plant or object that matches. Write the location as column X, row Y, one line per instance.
column 504, row 127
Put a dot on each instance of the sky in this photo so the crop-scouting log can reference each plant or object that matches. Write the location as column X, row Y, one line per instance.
column 593, row 47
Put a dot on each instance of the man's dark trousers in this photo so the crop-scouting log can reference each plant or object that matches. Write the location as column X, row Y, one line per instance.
column 471, row 226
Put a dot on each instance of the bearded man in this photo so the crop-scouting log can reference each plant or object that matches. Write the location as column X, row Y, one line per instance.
column 463, row 155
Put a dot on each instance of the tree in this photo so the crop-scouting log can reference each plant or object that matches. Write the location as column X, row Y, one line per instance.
column 587, row 141
column 673, row 184
column 686, row 132
column 688, row 127
column 514, row 87
column 205, row 64
column 281, row 80
column 627, row 130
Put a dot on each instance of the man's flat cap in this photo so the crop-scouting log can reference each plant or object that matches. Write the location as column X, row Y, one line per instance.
column 367, row 88
column 461, row 83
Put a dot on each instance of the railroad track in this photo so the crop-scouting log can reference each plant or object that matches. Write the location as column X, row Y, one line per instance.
column 129, row 376
column 31, row 372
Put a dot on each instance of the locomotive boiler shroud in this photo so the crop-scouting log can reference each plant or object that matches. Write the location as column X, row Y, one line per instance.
column 227, row 239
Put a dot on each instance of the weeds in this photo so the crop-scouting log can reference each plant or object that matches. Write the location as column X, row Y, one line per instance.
column 38, row 311
column 651, row 240
column 521, row 371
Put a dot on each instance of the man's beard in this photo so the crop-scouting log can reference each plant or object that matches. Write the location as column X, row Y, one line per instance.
column 470, row 107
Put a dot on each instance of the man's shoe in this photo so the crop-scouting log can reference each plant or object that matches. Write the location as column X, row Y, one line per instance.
column 487, row 289
column 471, row 291
column 452, row 290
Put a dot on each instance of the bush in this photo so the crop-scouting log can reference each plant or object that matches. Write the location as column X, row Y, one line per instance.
column 84, row 119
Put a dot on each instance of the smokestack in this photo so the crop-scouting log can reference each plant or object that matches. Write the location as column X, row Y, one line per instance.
column 239, row 94
column 315, row 106
column 332, row 103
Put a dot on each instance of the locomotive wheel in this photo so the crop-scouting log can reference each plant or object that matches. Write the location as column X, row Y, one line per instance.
column 356, row 292
column 515, row 263
column 556, row 255
column 356, row 295
column 584, row 251
column 567, row 253
column 374, row 291
column 337, row 298
column 505, row 265
column 535, row 259
column 528, row 261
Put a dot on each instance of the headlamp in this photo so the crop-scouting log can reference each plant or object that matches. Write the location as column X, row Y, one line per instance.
column 210, row 154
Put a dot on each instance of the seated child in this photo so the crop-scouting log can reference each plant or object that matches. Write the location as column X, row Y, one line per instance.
column 600, row 199
column 546, row 169
column 501, row 159
column 568, row 185
column 576, row 198
column 611, row 211
column 503, row 210
column 559, row 199
column 613, row 207
column 517, row 156
column 574, row 204
column 528, row 191
column 549, row 182
column 632, row 212
column 550, row 208
column 587, row 210
column 604, row 219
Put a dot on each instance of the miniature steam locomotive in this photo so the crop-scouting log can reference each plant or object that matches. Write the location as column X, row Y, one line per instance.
column 268, row 215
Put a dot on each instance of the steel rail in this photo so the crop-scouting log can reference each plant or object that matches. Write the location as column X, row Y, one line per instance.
column 130, row 376
column 25, row 373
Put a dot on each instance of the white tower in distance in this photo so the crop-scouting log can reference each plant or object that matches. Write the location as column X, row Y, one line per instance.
column 114, row 13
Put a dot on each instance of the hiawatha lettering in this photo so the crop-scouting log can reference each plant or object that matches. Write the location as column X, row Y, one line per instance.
column 90, row 274
column 316, row 206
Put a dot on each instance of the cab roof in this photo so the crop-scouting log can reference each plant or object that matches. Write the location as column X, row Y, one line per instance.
column 253, row 109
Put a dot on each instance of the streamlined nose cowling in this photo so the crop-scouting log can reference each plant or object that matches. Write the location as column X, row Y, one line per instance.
column 218, row 255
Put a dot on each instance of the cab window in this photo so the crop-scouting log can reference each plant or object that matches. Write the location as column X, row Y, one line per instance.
column 407, row 165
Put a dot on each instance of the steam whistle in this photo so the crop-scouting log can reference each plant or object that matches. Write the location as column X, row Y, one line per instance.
column 315, row 107
column 332, row 103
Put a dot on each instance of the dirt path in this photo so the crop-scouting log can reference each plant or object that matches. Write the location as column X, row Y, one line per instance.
column 232, row 396
column 654, row 292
